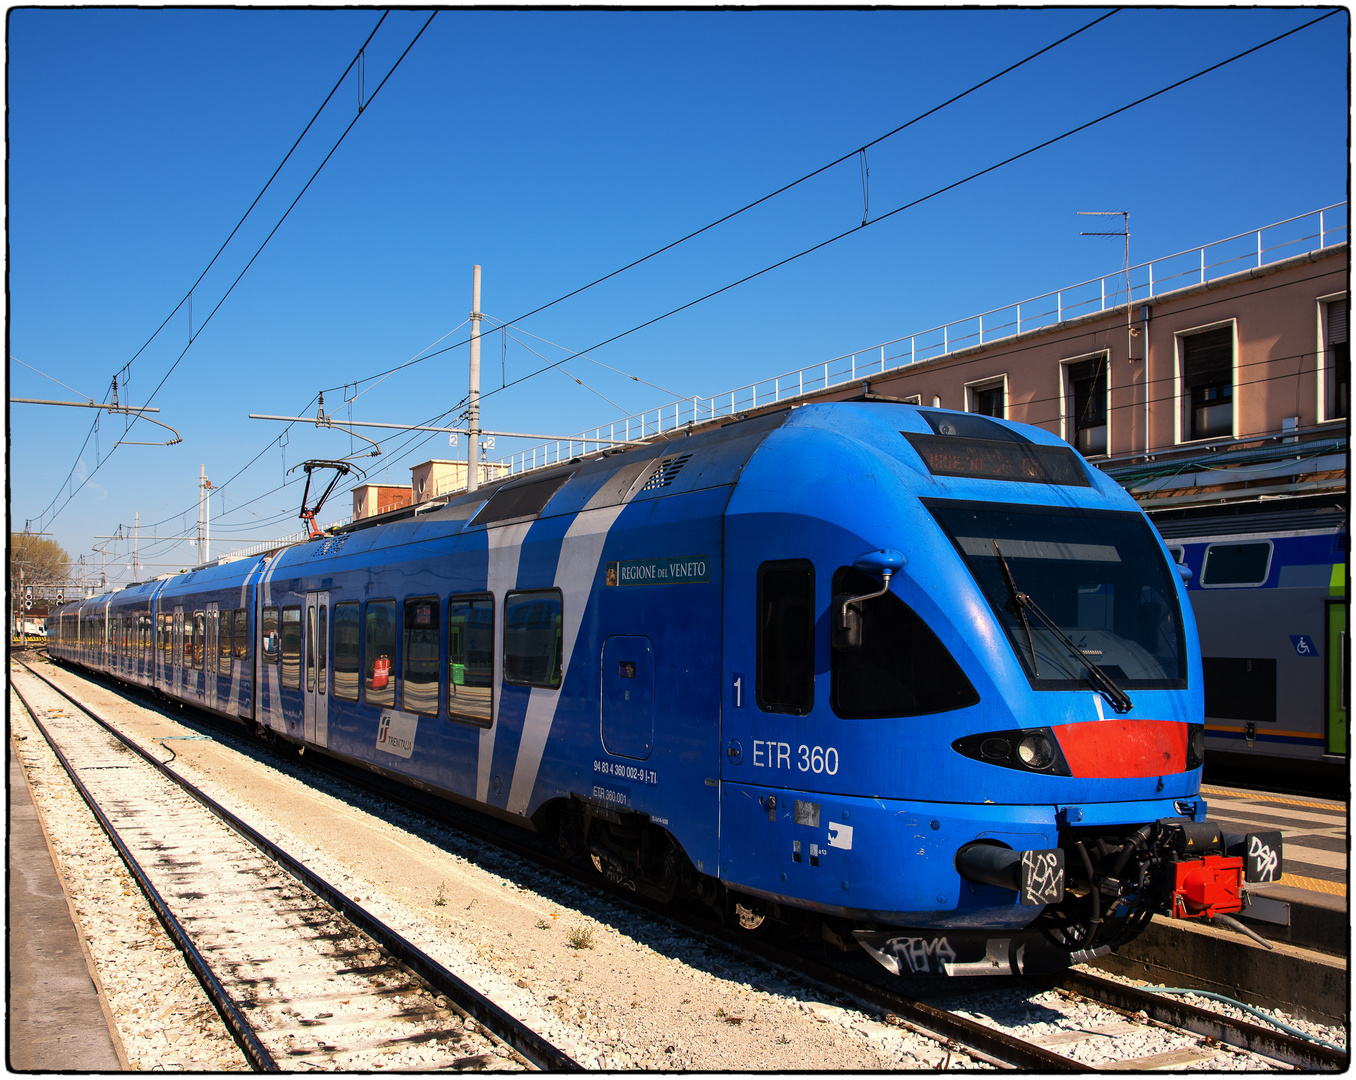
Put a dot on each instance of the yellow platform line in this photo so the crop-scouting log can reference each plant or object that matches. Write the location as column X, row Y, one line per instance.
column 1308, row 884
column 1279, row 799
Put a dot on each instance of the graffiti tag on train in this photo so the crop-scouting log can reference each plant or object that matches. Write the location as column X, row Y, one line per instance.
column 1043, row 876
column 1264, row 859
column 924, row 956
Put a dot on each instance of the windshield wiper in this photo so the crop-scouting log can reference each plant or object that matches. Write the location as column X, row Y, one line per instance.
column 1021, row 602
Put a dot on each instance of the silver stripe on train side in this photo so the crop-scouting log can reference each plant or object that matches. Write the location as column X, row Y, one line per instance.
column 581, row 550
column 501, row 575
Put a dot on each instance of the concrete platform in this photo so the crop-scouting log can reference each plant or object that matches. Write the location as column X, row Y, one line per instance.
column 56, row 1021
column 1308, row 906
column 1173, row 952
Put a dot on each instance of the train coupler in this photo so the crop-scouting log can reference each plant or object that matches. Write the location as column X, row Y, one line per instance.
column 1211, row 868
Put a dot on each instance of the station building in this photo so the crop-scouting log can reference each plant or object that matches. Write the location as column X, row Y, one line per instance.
column 1230, row 387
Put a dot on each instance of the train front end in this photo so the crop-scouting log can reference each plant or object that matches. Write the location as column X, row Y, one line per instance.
column 967, row 728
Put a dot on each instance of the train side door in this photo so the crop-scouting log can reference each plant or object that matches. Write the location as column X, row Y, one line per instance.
column 209, row 667
column 177, row 678
column 1339, row 677
column 315, row 653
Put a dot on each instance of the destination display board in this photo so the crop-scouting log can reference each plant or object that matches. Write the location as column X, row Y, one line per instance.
column 997, row 459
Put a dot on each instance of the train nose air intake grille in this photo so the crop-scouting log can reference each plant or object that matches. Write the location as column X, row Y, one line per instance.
column 665, row 471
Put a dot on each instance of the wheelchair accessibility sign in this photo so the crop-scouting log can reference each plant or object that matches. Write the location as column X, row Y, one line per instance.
column 1304, row 645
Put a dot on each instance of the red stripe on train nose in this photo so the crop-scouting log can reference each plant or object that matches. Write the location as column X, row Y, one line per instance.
column 1117, row 749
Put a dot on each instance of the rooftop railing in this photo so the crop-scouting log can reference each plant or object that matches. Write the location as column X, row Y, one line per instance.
column 1147, row 281
column 1261, row 247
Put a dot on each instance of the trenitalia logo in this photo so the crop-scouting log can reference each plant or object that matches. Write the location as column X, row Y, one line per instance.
column 395, row 733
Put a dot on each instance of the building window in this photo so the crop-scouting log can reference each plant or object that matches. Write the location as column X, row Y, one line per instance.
column 1207, row 360
column 1085, row 395
column 1336, row 361
column 988, row 398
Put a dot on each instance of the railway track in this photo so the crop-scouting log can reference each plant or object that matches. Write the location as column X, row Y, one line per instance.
column 1104, row 1013
column 302, row 976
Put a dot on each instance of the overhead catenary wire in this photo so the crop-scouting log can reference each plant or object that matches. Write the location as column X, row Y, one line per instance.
column 727, row 217
column 920, row 200
column 258, row 251
column 126, row 368
column 1015, row 351
column 1301, row 454
column 773, row 194
column 934, row 194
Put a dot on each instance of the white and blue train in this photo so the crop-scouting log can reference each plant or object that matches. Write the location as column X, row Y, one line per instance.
column 1268, row 589
column 925, row 678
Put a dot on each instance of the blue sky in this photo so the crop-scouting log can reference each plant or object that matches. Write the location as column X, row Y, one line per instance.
column 553, row 148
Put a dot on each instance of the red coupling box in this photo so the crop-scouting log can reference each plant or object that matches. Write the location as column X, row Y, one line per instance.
column 1207, row 887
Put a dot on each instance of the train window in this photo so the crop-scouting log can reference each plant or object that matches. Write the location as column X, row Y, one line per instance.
column 533, row 625
column 470, row 658
column 522, row 500
column 310, row 648
column 1098, row 575
column 347, row 639
column 242, row 634
column 1178, row 554
column 224, row 641
column 786, row 637
column 1236, row 564
column 268, row 632
column 901, row 668
column 178, row 637
column 322, row 641
column 422, row 656
column 290, row 648
column 380, row 640
column 199, row 632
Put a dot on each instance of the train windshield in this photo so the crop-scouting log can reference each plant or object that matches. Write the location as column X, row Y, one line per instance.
column 1099, row 576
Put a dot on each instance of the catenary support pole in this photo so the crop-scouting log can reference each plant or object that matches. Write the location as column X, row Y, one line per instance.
column 473, row 398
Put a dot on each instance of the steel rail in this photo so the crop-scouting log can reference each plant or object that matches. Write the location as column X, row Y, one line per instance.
column 1268, row 1042
column 495, row 1021
column 241, row 1030
column 994, row 1046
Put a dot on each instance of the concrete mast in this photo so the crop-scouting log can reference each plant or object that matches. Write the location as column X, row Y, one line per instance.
column 473, row 398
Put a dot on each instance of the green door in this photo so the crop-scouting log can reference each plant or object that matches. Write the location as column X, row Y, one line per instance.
column 1338, row 667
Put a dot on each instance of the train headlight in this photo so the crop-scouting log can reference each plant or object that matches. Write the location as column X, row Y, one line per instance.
column 996, row 749
column 1026, row 750
column 1035, row 751
column 1195, row 756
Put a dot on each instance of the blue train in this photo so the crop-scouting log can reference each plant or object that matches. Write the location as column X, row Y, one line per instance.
column 921, row 680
